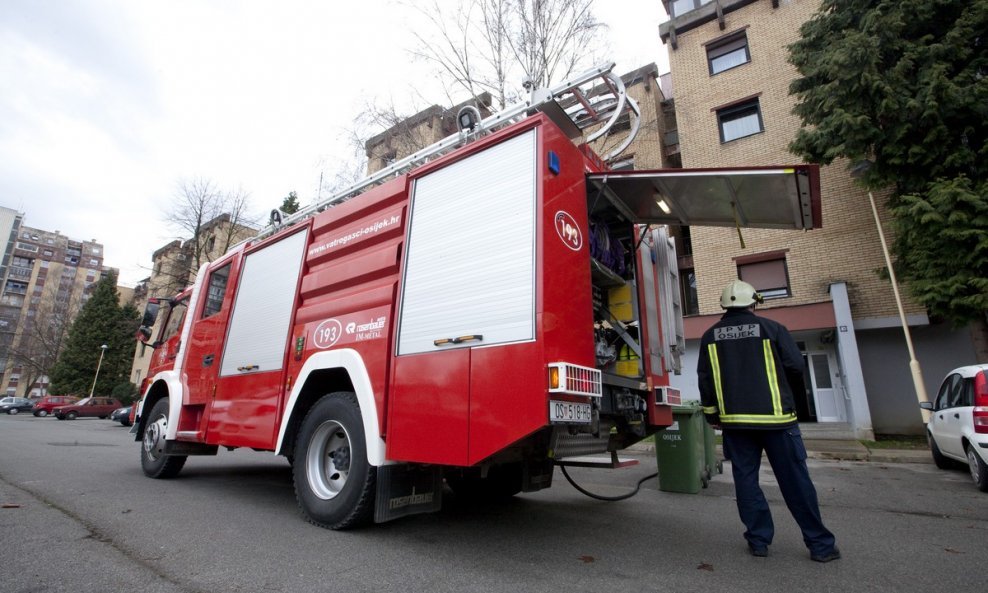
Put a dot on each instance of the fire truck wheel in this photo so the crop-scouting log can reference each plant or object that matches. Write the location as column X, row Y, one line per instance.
column 154, row 462
column 334, row 483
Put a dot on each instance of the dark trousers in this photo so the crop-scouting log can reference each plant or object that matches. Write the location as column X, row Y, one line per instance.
column 787, row 456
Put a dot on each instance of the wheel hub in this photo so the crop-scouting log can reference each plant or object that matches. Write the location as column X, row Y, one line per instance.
column 972, row 462
column 327, row 460
column 154, row 438
column 341, row 458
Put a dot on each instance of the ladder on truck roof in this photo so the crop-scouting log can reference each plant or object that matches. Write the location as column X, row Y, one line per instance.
column 569, row 104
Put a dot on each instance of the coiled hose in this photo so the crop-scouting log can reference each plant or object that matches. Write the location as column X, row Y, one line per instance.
column 606, row 498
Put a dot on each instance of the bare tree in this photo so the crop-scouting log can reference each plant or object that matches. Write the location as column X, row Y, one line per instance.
column 209, row 221
column 491, row 45
column 375, row 116
column 484, row 47
column 41, row 336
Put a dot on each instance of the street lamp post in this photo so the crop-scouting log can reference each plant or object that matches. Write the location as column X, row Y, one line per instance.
column 857, row 171
column 98, row 365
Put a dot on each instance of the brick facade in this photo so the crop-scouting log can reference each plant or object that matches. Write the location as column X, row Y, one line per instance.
column 846, row 248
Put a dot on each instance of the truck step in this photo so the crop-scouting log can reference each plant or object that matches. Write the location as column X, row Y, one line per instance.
column 612, row 462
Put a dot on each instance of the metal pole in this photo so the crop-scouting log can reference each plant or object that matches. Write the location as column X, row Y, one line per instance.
column 917, row 373
column 98, row 365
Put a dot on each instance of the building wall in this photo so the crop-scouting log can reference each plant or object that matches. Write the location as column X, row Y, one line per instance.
column 10, row 224
column 414, row 133
column 49, row 273
column 888, row 379
column 646, row 151
column 845, row 251
column 847, row 247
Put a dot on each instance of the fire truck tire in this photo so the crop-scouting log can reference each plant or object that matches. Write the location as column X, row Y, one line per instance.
column 334, row 483
column 154, row 462
column 502, row 481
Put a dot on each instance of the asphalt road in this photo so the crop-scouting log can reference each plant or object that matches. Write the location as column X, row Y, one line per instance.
column 79, row 516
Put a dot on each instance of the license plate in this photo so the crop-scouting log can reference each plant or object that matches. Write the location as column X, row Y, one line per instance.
column 569, row 412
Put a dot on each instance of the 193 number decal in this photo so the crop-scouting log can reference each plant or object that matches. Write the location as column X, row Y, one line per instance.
column 327, row 334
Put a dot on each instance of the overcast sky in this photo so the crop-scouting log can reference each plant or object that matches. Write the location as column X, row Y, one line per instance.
column 106, row 104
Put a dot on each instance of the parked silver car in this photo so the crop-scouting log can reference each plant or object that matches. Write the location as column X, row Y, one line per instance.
column 15, row 405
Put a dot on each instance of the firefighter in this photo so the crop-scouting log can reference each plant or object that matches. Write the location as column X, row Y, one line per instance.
column 749, row 370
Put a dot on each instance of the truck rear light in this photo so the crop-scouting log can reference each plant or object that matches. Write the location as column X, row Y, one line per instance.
column 981, row 403
column 574, row 379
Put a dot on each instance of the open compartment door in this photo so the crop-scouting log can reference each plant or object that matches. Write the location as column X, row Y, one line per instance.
column 759, row 197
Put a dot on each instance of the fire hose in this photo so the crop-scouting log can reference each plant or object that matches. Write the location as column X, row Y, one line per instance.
column 607, row 498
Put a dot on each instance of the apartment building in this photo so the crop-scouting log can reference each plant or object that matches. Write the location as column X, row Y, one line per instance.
column 46, row 281
column 728, row 61
column 10, row 226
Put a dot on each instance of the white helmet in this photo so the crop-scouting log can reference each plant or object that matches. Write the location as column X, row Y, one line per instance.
column 738, row 295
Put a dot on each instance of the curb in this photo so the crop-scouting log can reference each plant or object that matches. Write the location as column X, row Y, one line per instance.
column 838, row 454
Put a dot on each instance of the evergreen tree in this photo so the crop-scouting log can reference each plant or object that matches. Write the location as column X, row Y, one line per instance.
column 290, row 204
column 100, row 321
column 904, row 84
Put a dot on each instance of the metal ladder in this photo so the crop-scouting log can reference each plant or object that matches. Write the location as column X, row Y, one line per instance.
column 570, row 105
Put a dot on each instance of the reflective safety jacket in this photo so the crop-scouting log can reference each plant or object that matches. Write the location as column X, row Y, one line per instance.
column 749, row 370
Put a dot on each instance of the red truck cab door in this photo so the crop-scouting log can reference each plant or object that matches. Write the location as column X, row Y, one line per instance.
column 206, row 337
column 246, row 379
column 210, row 317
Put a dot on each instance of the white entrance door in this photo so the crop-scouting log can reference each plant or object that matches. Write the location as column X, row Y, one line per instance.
column 826, row 395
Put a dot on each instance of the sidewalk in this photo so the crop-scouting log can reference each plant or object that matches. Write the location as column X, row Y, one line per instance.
column 839, row 449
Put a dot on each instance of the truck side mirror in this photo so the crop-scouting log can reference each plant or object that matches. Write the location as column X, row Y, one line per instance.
column 926, row 405
column 150, row 313
column 147, row 322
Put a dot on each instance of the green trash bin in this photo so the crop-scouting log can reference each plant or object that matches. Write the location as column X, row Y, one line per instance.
column 679, row 451
column 712, row 463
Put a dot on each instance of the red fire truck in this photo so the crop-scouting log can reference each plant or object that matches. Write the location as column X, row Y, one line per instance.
column 472, row 316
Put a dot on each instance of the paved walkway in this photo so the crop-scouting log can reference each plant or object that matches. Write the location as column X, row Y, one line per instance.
column 843, row 449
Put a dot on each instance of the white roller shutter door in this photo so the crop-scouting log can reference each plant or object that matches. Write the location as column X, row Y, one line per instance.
column 262, row 311
column 471, row 251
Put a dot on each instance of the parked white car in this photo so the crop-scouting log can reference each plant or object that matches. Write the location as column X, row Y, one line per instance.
column 958, row 427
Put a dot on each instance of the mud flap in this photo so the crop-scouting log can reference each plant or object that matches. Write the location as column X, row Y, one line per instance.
column 407, row 490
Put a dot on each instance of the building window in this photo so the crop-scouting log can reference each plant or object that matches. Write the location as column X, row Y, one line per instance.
column 688, row 297
column 680, row 7
column 16, row 287
column 728, row 52
column 625, row 164
column 739, row 120
column 685, row 245
column 768, row 273
column 27, row 247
